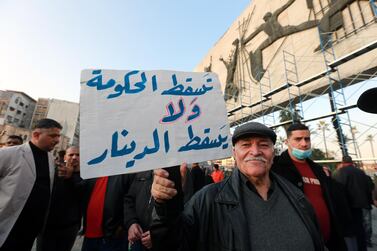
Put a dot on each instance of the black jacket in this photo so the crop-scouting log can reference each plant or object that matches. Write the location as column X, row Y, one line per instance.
column 65, row 208
column 113, row 213
column 214, row 219
column 358, row 185
column 138, row 202
column 283, row 166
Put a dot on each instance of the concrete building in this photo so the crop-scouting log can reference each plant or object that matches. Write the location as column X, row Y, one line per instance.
column 40, row 111
column 76, row 136
column 16, row 109
column 65, row 112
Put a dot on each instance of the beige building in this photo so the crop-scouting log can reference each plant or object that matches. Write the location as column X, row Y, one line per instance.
column 18, row 117
column 40, row 111
column 65, row 112
column 16, row 108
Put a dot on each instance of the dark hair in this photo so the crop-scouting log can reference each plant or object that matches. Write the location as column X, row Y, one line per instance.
column 347, row 159
column 47, row 124
column 195, row 165
column 17, row 137
column 296, row 127
column 216, row 166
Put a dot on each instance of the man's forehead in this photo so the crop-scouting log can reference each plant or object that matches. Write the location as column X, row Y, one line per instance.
column 300, row 133
column 13, row 140
column 72, row 150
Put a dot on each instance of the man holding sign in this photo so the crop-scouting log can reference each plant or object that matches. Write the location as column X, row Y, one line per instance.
column 254, row 209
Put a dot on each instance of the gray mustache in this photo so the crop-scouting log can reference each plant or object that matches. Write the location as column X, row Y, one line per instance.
column 256, row 158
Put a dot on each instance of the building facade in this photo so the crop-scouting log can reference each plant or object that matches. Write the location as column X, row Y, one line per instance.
column 16, row 109
column 65, row 112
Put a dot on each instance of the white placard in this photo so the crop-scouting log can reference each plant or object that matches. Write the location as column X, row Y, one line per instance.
column 132, row 121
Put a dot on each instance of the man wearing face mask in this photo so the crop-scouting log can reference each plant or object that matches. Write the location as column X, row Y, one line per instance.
column 296, row 166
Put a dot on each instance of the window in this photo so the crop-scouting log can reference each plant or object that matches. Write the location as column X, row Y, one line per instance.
column 21, row 104
column 16, row 120
column 11, row 108
column 9, row 119
column 19, row 112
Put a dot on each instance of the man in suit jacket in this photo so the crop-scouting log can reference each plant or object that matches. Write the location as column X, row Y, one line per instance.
column 26, row 177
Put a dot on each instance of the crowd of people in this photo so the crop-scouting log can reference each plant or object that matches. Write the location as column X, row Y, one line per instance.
column 269, row 202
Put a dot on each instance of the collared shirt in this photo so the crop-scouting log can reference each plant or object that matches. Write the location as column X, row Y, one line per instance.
column 273, row 224
column 251, row 187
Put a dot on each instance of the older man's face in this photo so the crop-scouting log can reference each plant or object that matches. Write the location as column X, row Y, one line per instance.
column 254, row 156
column 72, row 157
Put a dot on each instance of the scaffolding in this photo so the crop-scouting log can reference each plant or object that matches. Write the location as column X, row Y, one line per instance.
column 267, row 115
column 240, row 107
column 294, row 94
column 335, row 91
column 336, row 95
column 268, row 104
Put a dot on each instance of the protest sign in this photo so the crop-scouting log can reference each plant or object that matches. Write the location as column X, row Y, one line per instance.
column 132, row 121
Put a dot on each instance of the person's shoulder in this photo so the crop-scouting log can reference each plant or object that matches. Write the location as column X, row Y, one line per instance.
column 286, row 185
column 350, row 169
column 282, row 160
column 209, row 192
column 317, row 168
column 13, row 149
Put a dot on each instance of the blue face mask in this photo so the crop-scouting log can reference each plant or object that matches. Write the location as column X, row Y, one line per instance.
column 301, row 154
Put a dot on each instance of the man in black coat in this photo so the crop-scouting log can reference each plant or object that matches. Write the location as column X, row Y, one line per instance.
column 64, row 217
column 359, row 187
column 254, row 209
column 200, row 177
column 296, row 166
column 138, row 211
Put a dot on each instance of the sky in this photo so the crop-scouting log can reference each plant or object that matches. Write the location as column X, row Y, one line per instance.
column 45, row 44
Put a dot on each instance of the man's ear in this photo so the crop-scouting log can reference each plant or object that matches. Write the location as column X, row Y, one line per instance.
column 35, row 134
